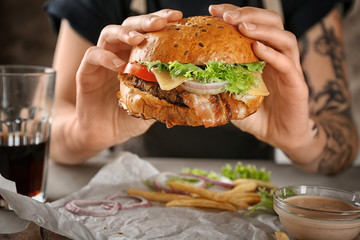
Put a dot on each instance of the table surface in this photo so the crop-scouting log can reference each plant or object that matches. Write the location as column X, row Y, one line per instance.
column 64, row 180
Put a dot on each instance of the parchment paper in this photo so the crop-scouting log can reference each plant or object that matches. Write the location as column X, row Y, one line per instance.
column 156, row 222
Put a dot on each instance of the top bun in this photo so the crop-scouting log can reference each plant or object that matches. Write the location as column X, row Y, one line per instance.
column 195, row 40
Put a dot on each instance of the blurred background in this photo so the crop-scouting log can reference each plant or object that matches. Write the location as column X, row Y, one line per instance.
column 25, row 33
column 26, row 38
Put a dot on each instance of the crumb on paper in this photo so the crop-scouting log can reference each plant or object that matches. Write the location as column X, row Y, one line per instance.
column 281, row 236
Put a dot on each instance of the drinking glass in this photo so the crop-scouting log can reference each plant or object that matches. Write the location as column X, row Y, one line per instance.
column 26, row 106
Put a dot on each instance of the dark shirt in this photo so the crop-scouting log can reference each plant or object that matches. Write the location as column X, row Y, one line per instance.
column 89, row 17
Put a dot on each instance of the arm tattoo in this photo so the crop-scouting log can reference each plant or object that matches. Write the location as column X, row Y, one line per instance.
column 328, row 44
column 330, row 105
column 334, row 94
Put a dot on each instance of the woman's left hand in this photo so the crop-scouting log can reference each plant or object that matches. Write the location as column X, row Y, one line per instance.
column 283, row 120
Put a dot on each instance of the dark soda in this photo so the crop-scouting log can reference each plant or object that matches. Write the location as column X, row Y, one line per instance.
column 23, row 164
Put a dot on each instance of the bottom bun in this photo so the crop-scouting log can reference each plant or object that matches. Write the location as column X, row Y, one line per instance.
column 196, row 110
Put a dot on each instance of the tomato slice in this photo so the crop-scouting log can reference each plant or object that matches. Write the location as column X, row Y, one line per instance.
column 140, row 71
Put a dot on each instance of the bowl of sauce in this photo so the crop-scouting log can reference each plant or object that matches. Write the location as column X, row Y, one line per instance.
column 316, row 212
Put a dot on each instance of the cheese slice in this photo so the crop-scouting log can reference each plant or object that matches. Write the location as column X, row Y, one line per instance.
column 259, row 89
column 165, row 80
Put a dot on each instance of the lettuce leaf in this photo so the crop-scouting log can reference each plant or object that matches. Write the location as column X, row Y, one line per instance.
column 184, row 180
column 201, row 172
column 265, row 205
column 241, row 77
column 248, row 171
column 149, row 183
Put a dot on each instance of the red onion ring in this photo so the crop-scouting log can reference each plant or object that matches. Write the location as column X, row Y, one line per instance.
column 74, row 206
column 160, row 182
column 211, row 180
column 143, row 202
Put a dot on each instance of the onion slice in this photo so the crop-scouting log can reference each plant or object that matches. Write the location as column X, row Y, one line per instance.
column 222, row 183
column 204, row 88
column 142, row 201
column 160, row 182
column 76, row 206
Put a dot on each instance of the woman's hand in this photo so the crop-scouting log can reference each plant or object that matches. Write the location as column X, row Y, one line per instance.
column 283, row 120
column 96, row 122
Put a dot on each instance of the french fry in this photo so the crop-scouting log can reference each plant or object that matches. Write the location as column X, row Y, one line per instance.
column 156, row 196
column 251, row 201
column 240, row 188
column 259, row 183
column 245, row 187
column 203, row 203
column 205, row 193
column 249, row 198
column 281, row 236
column 237, row 202
column 247, row 195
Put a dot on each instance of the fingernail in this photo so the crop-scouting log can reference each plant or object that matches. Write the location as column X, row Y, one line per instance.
column 217, row 7
column 261, row 45
column 233, row 14
column 118, row 63
column 249, row 26
column 175, row 14
column 133, row 33
column 153, row 18
column 170, row 11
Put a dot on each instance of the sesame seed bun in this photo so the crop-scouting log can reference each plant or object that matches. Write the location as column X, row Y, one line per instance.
column 196, row 40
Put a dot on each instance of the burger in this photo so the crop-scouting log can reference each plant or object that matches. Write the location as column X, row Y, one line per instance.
column 199, row 71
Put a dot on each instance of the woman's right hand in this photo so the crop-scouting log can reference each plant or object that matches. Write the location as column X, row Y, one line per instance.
column 96, row 122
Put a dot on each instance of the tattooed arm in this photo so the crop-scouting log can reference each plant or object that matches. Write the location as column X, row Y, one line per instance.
column 324, row 67
column 307, row 112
